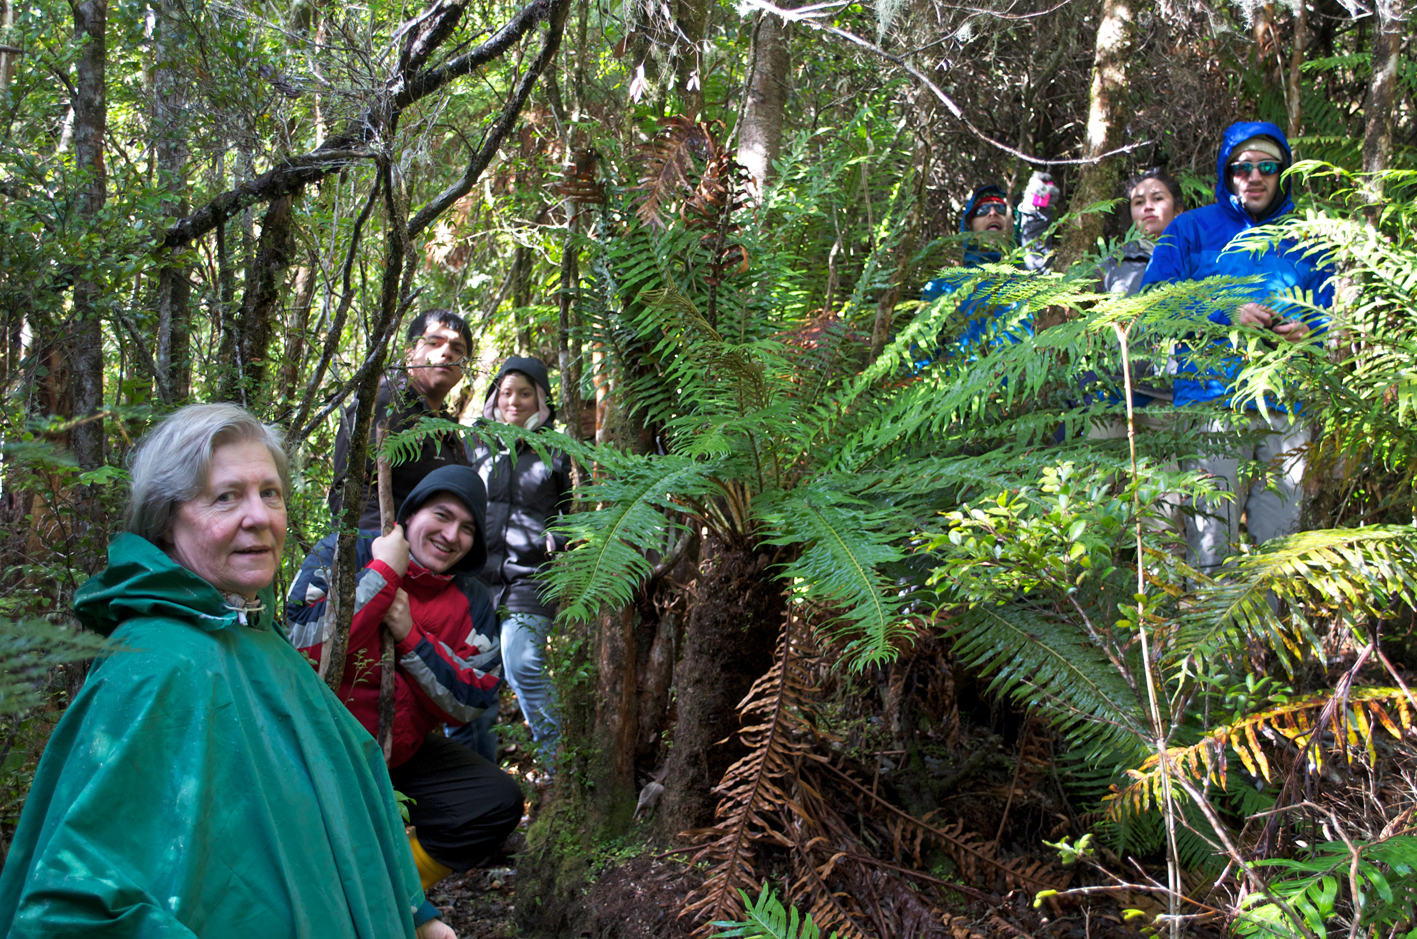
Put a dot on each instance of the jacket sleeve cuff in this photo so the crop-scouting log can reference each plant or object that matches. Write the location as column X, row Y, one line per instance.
column 384, row 571
column 410, row 642
column 425, row 913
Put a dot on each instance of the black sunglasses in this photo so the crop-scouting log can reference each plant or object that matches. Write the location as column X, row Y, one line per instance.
column 989, row 208
column 1266, row 168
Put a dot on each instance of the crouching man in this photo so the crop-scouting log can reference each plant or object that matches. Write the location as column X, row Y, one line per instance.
column 420, row 581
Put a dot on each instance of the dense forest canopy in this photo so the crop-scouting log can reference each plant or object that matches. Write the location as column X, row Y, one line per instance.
column 955, row 629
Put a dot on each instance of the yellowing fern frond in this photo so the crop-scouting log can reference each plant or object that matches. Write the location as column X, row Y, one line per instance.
column 1292, row 723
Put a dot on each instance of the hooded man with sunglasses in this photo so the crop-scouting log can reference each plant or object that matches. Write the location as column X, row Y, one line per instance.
column 989, row 222
column 1250, row 191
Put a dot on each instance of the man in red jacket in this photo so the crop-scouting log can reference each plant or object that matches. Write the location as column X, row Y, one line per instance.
column 420, row 581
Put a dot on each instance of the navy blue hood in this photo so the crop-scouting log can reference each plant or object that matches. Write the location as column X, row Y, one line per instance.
column 464, row 483
column 1235, row 135
column 974, row 253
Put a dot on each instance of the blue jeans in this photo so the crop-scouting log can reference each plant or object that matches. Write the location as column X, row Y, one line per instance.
column 477, row 735
column 524, row 666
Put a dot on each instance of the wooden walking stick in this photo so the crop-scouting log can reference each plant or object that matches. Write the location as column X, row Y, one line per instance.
column 387, row 659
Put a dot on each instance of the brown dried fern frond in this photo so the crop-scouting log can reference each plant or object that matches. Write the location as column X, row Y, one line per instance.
column 762, row 782
column 978, row 860
column 669, row 164
column 858, row 894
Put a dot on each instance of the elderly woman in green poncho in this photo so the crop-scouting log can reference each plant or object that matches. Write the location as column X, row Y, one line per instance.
column 205, row 782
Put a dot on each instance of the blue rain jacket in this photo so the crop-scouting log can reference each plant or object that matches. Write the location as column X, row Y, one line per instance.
column 977, row 310
column 1195, row 245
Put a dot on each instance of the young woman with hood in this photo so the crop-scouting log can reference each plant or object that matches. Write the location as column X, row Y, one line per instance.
column 524, row 496
column 1154, row 200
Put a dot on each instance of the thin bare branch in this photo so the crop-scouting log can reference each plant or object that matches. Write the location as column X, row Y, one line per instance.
column 807, row 16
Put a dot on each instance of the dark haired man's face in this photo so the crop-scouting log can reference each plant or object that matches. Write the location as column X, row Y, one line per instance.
column 435, row 362
column 1256, row 191
column 993, row 219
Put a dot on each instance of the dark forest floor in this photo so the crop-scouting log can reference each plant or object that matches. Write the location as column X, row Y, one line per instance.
column 640, row 897
column 480, row 904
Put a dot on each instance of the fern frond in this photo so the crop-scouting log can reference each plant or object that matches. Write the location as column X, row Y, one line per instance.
column 760, row 782
column 1054, row 667
column 29, row 648
column 1293, row 723
column 608, row 562
column 669, row 161
column 1354, row 573
column 767, row 919
column 842, row 551
column 968, row 849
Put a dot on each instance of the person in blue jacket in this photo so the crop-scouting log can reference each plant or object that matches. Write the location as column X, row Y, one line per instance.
column 989, row 221
column 1250, row 191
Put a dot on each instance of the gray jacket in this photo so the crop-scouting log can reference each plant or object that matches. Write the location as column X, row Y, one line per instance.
column 1122, row 273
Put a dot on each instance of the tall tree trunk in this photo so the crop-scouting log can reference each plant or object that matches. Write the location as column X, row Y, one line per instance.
column 306, row 280
column 399, row 264
column 227, row 374
column 760, row 131
column 86, row 335
column 261, row 305
column 1296, row 63
column 1107, row 112
column 1382, row 98
column 9, row 61
column 172, row 355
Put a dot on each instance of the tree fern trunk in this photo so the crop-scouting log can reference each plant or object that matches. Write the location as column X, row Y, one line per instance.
column 730, row 639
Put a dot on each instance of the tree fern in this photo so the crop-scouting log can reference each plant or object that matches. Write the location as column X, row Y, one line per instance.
column 844, row 543
column 1053, row 666
column 637, row 504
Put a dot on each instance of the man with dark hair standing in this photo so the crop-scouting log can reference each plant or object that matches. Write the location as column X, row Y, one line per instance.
column 438, row 344
column 1250, row 191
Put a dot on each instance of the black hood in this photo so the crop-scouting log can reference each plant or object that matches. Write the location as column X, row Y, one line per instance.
column 463, row 482
column 533, row 369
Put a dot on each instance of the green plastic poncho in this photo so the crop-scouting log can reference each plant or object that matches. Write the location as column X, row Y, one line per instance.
column 204, row 782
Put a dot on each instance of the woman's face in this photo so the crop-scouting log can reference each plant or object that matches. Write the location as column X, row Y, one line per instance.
column 516, row 399
column 232, row 534
column 1153, row 206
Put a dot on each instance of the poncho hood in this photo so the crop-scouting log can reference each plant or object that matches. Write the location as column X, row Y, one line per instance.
column 141, row 580
column 1235, row 135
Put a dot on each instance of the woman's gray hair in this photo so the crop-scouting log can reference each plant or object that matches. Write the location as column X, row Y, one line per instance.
column 172, row 463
